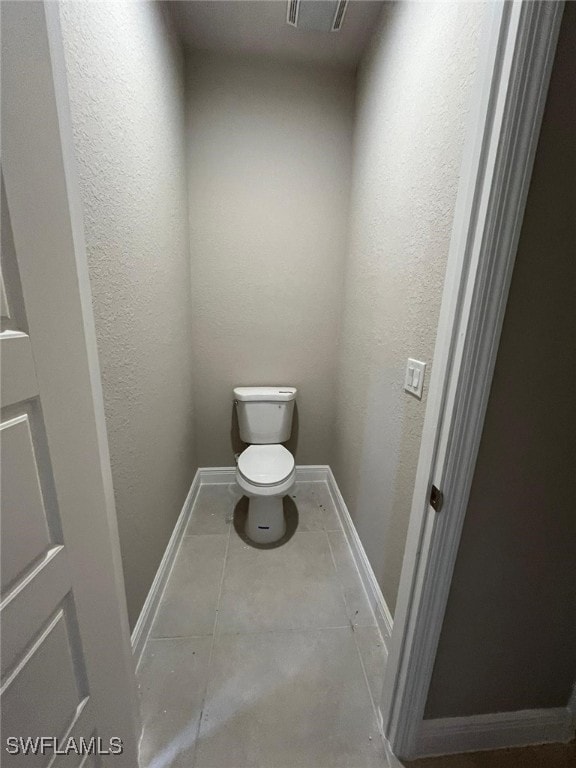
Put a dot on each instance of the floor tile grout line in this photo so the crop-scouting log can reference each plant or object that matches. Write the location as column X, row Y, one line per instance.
column 169, row 575
column 353, row 627
column 164, row 588
column 278, row 631
column 159, row 603
column 357, row 578
column 180, row 637
column 374, row 706
column 150, row 636
column 350, row 622
column 340, row 583
column 211, row 654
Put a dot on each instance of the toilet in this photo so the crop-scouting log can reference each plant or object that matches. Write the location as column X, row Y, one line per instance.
column 265, row 471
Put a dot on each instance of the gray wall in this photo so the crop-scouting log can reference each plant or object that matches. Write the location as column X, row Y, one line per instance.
column 510, row 628
column 127, row 99
column 269, row 177
column 411, row 116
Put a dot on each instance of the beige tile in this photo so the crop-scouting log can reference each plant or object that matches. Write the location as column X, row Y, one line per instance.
column 188, row 606
column 288, row 700
column 357, row 605
column 310, row 516
column 331, row 519
column 374, row 657
column 213, row 508
column 172, row 682
column 291, row 587
column 316, row 509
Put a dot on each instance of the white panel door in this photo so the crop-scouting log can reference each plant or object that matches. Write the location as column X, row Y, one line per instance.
column 66, row 661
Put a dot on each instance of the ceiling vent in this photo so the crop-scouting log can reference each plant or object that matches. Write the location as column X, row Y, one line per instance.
column 317, row 15
column 293, row 12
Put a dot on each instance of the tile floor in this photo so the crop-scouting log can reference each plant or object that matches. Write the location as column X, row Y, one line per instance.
column 262, row 658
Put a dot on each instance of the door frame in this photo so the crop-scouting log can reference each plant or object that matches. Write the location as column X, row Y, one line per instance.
column 47, row 219
column 517, row 54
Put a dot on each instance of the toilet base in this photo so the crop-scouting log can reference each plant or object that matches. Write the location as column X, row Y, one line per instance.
column 265, row 523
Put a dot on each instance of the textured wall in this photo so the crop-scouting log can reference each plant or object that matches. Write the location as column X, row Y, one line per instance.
column 412, row 107
column 269, row 158
column 126, row 89
column 510, row 627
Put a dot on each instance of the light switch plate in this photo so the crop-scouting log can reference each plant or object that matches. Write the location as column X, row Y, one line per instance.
column 414, row 377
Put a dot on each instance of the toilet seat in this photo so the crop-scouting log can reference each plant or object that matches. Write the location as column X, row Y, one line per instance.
column 265, row 465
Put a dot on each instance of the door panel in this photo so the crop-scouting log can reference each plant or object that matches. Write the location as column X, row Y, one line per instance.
column 47, row 666
column 66, row 665
column 29, row 604
column 25, row 535
column 44, row 678
column 18, row 375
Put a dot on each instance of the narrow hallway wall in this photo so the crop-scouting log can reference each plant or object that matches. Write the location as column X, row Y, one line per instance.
column 125, row 77
column 269, row 177
column 412, row 109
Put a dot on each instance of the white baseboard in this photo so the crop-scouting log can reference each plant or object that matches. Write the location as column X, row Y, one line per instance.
column 312, row 473
column 306, row 473
column 452, row 735
column 572, row 707
column 375, row 596
column 217, row 475
column 144, row 623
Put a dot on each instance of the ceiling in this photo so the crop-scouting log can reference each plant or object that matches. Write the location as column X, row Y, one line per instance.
column 258, row 27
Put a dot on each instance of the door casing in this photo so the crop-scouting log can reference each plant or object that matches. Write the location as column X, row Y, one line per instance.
column 514, row 71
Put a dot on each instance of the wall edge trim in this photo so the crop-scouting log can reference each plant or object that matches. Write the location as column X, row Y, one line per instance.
column 312, row 473
column 146, row 617
column 571, row 706
column 497, row 730
column 377, row 602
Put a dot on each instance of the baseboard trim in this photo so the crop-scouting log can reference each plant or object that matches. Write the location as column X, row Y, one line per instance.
column 572, row 707
column 375, row 596
column 453, row 735
column 312, row 473
column 217, row 475
column 144, row 623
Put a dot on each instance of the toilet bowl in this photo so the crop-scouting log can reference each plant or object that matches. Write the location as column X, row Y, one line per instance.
column 265, row 473
column 265, row 470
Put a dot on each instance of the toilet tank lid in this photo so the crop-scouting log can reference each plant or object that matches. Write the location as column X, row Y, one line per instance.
column 266, row 394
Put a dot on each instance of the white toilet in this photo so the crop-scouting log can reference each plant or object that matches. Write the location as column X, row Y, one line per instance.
column 265, row 470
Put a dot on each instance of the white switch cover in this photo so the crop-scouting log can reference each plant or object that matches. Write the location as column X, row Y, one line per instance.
column 414, row 377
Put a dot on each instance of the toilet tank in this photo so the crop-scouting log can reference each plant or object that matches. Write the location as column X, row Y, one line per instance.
column 264, row 413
